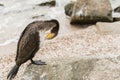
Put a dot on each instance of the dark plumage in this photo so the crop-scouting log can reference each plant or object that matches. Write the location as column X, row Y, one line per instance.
column 29, row 43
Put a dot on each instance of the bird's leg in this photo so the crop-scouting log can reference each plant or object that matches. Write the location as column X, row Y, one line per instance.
column 38, row 62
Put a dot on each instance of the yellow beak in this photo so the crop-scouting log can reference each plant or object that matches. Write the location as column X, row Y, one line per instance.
column 49, row 36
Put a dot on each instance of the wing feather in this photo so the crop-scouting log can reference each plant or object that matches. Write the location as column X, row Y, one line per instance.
column 29, row 40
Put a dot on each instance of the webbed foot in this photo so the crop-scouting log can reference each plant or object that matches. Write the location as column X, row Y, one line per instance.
column 39, row 62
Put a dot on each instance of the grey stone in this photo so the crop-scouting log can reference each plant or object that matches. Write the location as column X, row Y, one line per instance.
column 69, row 8
column 49, row 3
column 91, row 11
column 116, row 16
column 37, row 16
column 1, row 4
column 76, row 69
column 117, row 9
column 116, row 19
column 108, row 28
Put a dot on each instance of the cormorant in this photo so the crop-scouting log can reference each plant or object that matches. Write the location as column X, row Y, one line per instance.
column 31, row 38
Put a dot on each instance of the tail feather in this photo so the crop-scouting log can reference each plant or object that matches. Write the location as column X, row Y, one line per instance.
column 13, row 72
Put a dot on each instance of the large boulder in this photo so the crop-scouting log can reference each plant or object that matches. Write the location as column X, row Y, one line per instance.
column 75, row 69
column 91, row 11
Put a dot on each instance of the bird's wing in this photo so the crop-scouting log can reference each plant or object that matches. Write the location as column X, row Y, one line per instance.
column 28, row 42
column 22, row 34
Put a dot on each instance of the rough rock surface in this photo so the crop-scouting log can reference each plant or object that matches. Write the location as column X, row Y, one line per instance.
column 75, row 69
column 91, row 11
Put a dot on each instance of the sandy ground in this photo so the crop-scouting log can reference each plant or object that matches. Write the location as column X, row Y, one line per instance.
column 80, row 42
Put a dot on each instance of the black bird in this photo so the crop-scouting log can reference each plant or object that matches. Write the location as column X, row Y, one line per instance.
column 31, row 38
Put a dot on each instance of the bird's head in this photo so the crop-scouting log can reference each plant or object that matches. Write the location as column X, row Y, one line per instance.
column 52, row 29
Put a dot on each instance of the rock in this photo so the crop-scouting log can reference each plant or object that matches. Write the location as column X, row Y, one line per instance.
column 69, row 8
column 37, row 16
column 116, row 16
column 74, row 69
column 1, row 4
column 91, row 11
column 50, row 3
column 108, row 28
column 117, row 9
column 116, row 19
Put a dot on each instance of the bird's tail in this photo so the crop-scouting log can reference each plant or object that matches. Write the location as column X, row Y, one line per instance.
column 13, row 72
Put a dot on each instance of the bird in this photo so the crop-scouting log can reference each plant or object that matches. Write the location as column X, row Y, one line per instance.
column 29, row 42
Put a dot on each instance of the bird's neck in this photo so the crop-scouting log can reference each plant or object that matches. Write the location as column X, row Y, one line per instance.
column 42, row 36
